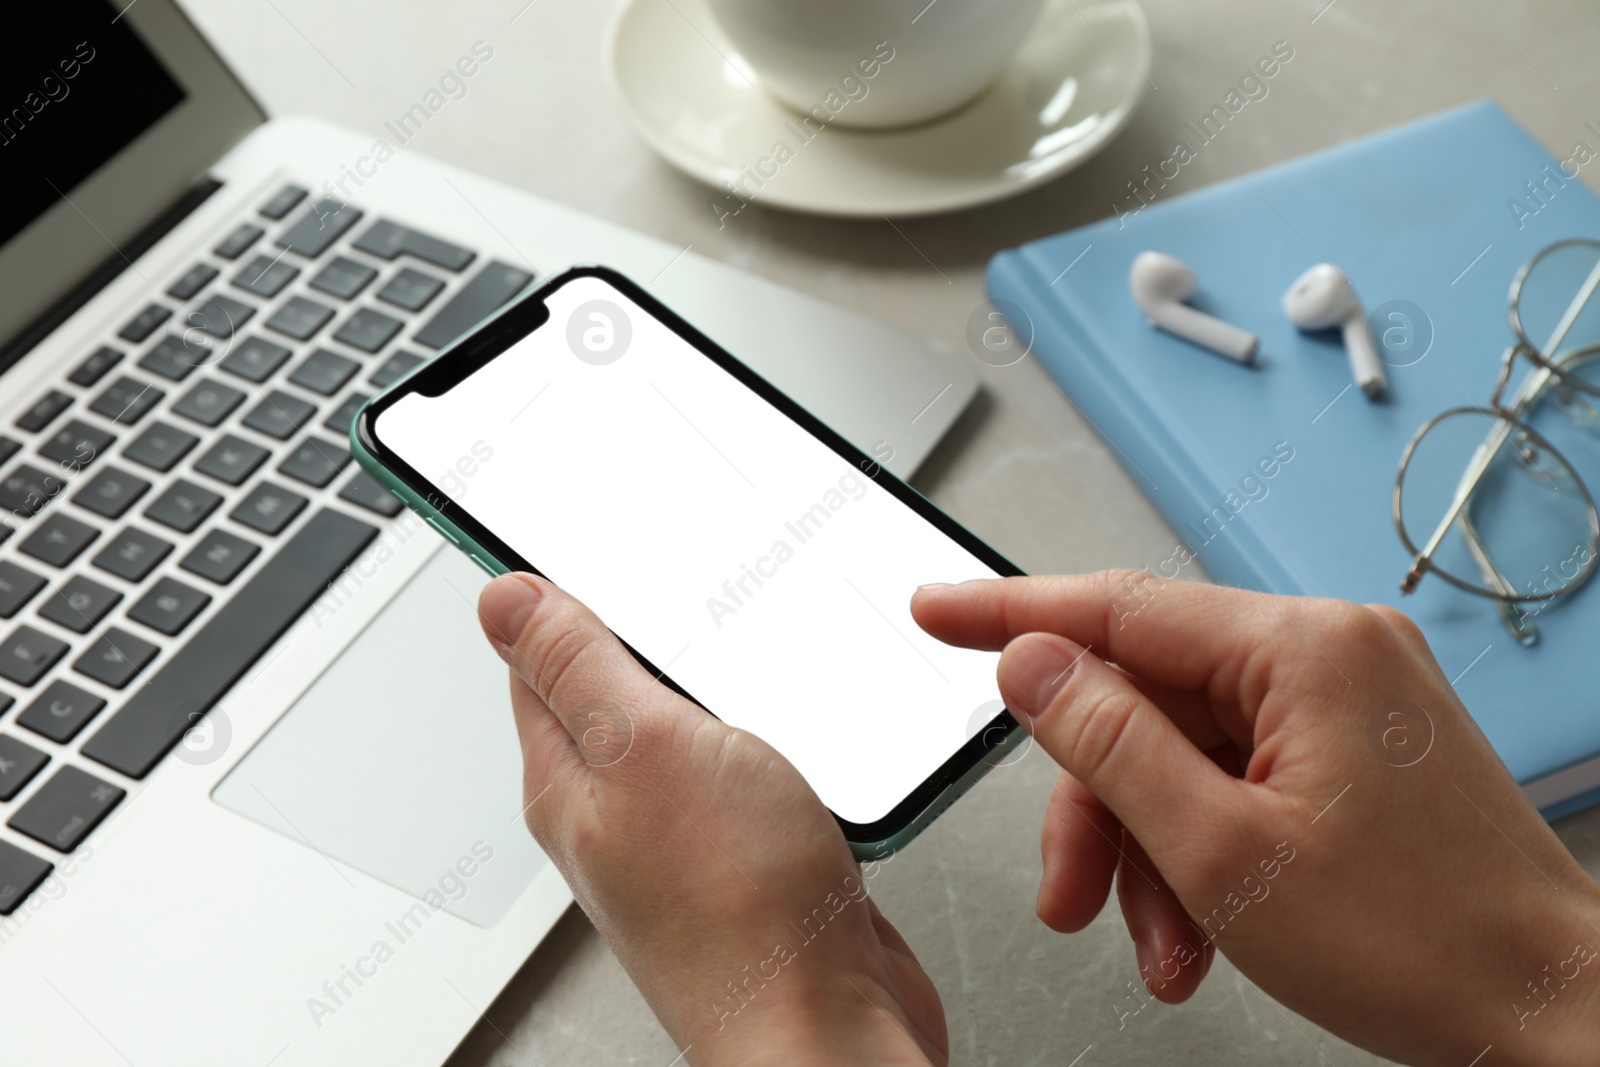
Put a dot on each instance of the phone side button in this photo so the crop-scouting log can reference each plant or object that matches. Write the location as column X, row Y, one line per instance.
column 448, row 536
column 492, row 571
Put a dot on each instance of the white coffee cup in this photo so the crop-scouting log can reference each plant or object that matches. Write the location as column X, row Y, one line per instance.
column 875, row 63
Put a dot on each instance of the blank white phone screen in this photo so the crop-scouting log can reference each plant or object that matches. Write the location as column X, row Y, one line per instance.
column 754, row 565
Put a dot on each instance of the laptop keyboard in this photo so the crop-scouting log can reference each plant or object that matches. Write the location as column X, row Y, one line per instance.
column 186, row 491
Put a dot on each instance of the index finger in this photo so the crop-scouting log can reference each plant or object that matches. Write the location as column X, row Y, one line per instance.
column 1180, row 634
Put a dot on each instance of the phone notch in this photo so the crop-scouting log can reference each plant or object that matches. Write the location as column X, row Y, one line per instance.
column 472, row 353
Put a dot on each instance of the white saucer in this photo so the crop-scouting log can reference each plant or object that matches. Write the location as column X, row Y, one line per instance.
column 1071, row 87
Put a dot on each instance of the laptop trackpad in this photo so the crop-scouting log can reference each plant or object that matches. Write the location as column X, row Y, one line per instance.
column 402, row 759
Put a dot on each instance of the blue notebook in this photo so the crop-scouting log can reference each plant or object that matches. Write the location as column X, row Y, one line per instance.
column 1430, row 220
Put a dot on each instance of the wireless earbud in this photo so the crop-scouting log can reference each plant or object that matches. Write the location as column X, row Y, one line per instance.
column 1323, row 298
column 1160, row 284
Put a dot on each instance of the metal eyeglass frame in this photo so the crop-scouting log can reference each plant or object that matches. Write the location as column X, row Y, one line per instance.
column 1506, row 418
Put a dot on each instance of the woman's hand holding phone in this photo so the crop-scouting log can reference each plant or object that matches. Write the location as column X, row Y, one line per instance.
column 1291, row 781
column 719, row 879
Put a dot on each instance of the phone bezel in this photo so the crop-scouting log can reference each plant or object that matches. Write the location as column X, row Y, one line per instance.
column 528, row 313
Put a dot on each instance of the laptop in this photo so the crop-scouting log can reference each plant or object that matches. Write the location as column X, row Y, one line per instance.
column 260, row 792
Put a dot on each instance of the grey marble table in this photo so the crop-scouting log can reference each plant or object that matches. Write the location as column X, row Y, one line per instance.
column 1021, row 468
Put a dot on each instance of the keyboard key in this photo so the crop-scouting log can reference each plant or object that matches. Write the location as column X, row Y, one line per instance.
column 145, row 323
column 343, row 278
column 198, row 278
column 300, row 318
column 60, row 712
column 324, row 223
column 315, row 462
column 368, row 330
column 183, row 506
column 18, row 585
column 324, row 372
column 94, row 368
column 176, row 357
column 255, row 360
column 218, row 654
column 160, row 446
column 66, row 808
column 220, row 556
column 77, row 444
column 268, row 508
column 132, row 554
column 26, row 490
column 266, row 276
column 18, row 764
column 280, row 415
column 231, row 460
column 364, row 492
column 493, row 286
column 27, row 655
column 388, row 239
column 394, row 368
column 283, row 202
column 44, row 411
column 169, row 606
column 220, row 316
column 236, row 242
column 411, row 289
column 8, row 448
column 127, row 400
column 111, row 492
column 208, row 403
column 116, row 658
column 79, row 604
column 59, row 540
column 20, row 872
column 343, row 415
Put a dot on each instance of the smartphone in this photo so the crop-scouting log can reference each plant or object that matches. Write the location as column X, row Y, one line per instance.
column 749, row 556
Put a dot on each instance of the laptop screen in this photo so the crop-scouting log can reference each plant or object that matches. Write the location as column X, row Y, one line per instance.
column 77, row 85
column 112, row 114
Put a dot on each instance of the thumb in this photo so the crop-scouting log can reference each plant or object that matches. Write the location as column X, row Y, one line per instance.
column 1108, row 735
column 571, row 662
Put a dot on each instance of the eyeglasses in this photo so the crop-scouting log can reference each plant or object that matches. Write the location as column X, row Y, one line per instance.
column 1527, row 525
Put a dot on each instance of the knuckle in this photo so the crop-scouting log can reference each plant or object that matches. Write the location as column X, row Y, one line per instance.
column 710, row 742
column 1344, row 624
column 538, row 826
column 1117, row 577
column 1113, row 589
column 1400, row 623
column 584, row 837
column 1365, row 628
column 1096, row 723
column 660, row 724
column 540, row 818
column 553, row 647
column 1115, row 582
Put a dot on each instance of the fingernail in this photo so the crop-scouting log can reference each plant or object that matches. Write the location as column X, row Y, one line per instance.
column 1047, row 879
column 1041, row 667
column 1144, row 957
column 958, row 585
column 504, row 608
